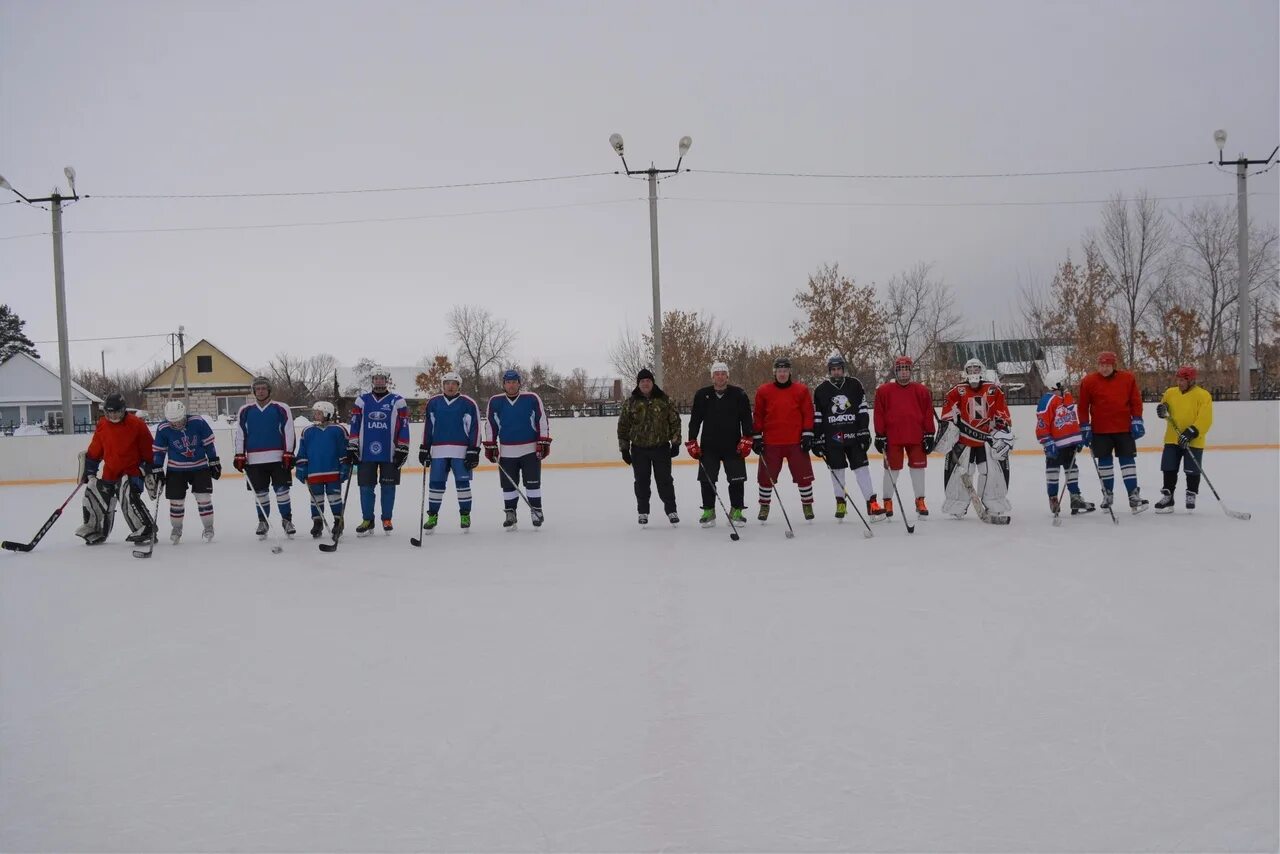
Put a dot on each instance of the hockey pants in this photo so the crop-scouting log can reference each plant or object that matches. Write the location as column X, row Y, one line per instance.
column 735, row 471
column 439, row 480
column 528, row 468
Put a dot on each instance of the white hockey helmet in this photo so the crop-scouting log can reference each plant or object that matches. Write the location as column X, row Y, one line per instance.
column 376, row 372
column 175, row 412
column 973, row 372
column 718, row 367
column 451, row 377
column 325, row 408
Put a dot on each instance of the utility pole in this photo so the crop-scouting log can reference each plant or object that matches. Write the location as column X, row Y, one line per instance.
column 652, row 174
column 55, row 200
column 182, row 348
column 104, row 364
column 1242, row 165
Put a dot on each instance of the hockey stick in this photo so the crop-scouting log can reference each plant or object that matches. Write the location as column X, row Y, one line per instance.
column 416, row 542
column 733, row 536
column 337, row 530
column 1234, row 514
column 44, row 529
column 155, row 529
column 1112, row 500
column 536, row 512
column 980, row 506
column 318, row 505
column 848, row 500
column 911, row 529
column 790, row 532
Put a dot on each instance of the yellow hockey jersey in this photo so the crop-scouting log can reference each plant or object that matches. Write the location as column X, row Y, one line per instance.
column 1192, row 409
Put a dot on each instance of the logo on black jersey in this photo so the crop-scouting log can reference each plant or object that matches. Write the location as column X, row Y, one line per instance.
column 840, row 403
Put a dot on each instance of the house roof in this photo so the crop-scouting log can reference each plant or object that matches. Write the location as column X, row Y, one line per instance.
column 150, row 386
column 27, row 380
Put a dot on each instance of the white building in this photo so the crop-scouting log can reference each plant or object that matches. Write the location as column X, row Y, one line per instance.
column 31, row 393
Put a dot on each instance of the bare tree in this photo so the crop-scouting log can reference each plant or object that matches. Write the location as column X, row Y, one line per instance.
column 128, row 384
column 921, row 313
column 301, row 380
column 483, row 341
column 573, row 391
column 1135, row 244
column 629, row 353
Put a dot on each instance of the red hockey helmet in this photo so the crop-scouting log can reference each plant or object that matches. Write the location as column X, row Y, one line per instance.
column 1107, row 357
column 902, row 366
column 1188, row 373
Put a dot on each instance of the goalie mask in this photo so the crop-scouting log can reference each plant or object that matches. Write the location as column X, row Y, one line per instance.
column 973, row 371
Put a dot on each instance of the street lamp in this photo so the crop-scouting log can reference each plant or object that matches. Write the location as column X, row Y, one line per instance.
column 1242, row 251
column 59, row 288
column 615, row 140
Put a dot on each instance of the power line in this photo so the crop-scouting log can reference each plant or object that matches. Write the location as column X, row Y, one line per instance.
column 109, row 338
column 348, row 192
column 954, row 175
column 942, row 204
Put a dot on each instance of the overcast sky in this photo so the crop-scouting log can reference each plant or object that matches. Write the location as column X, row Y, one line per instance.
column 198, row 98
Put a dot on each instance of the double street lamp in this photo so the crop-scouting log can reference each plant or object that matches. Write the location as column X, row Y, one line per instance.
column 685, row 142
column 59, row 287
column 1242, row 165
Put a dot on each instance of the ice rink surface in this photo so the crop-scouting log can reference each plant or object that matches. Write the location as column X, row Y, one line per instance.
column 597, row 687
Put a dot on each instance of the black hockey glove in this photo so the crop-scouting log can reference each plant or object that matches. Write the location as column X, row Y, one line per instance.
column 675, row 449
column 928, row 443
column 819, row 446
column 215, row 468
column 400, row 454
column 424, row 455
column 863, row 438
column 1162, row 410
column 472, row 459
column 626, row 452
column 1185, row 437
column 757, row 444
column 882, row 442
column 806, row 441
column 353, row 453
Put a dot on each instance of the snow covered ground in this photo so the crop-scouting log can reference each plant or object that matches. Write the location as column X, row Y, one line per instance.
column 597, row 687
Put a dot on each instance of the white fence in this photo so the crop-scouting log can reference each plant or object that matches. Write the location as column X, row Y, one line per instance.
column 593, row 441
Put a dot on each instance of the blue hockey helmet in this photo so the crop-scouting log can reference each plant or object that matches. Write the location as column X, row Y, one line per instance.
column 510, row 375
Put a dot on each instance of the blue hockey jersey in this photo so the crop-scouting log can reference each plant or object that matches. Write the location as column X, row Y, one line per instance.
column 452, row 426
column 188, row 448
column 378, row 425
column 264, row 433
column 517, row 423
column 320, row 453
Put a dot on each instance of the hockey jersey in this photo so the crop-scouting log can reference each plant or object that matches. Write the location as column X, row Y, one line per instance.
column 1057, row 419
column 121, row 447
column 517, row 423
column 264, row 433
column 189, row 447
column 903, row 413
column 1194, row 408
column 1109, row 403
column 977, row 407
column 320, row 453
column 840, row 410
column 452, row 426
column 378, row 425
column 783, row 412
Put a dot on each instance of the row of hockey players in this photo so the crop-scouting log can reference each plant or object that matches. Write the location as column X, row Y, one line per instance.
column 972, row 433
column 124, row 461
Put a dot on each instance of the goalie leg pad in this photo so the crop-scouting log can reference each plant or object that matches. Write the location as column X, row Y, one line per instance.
column 99, row 508
column 955, row 497
column 992, row 483
column 135, row 509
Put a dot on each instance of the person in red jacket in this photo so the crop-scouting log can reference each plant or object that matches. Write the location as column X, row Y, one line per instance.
column 1110, row 408
column 783, row 429
column 121, row 445
column 903, row 418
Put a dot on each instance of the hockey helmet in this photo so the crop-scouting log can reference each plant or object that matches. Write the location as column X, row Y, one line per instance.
column 1107, row 357
column 175, row 412
column 451, row 377
column 257, row 381
column 325, row 408
column 1188, row 373
column 114, row 405
column 835, row 360
column 973, row 372
column 719, row 367
column 511, row 375
column 902, row 368
column 782, row 363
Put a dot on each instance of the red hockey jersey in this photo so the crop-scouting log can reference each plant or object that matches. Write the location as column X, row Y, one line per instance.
column 1108, row 403
column 782, row 413
column 1057, row 419
column 977, row 407
column 904, row 413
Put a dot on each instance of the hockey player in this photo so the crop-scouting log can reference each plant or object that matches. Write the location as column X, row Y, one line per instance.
column 1058, row 431
column 1110, row 424
column 450, row 443
column 783, row 429
column 842, row 435
column 193, row 462
column 722, row 416
column 264, row 443
column 121, row 444
column 903, row 419
column 649, row 439
column 321, row 466
column 976, row 423
column 1189, row 410
column 519, row 439
column 379, row 445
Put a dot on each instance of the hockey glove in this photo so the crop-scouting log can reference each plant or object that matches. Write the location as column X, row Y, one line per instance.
column 882, row 442
column 863, row 437
column 154, row 482
column 344, row 472
column 1137, row 429
column 472, row 459
column 1162, row 410
column 238, row 462
column 300, row 473
column 491, row 451
column 1086, row 435
column 1050, row 448
column 819, row 446
column 544, row 447
column 757, row 444
column 694, row 449
column 215, row 468
column 138, row 484
column 675, row 449
column 927, row 442
column 626, row 453
column 744, row 446
column 90, row 469
column 806, row 441
column 424, row 455
column 1185, row 437
column 999, row 422
column 399, row 456
column 353, row 453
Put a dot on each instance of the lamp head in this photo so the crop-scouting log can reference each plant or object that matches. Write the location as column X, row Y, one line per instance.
column 615, row 140
column 1220, row 138
column 685, row 143
column 5, row 185
column 70, row 172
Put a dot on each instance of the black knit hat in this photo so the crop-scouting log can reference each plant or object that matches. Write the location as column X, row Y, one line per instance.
column 645, row 374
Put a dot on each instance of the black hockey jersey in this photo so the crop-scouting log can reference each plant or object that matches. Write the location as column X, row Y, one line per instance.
column 840, row 411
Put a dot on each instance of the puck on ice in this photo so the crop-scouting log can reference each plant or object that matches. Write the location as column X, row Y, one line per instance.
column 275, row 550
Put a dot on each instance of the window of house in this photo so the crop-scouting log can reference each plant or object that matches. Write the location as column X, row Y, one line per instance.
column 229, row 406
column 204, row 364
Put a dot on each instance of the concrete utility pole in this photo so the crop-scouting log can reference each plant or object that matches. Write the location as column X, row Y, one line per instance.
column 685, row 142
column 59, row 289
column 1242, row 165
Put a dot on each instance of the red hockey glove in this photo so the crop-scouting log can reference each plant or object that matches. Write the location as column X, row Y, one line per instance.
column 287, row 461
column 491, row 451
column 744, row 447
column 238, row 462
column 693, row 448
column 544, row 447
